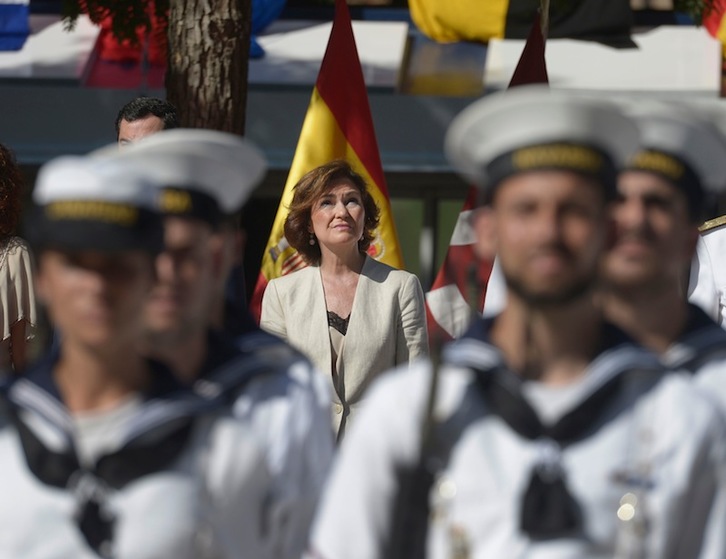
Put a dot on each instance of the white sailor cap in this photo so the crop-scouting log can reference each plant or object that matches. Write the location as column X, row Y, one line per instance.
column 533, row 127
column 682, row 145
column 710, row 109
column 87, row 204
column 202, row 173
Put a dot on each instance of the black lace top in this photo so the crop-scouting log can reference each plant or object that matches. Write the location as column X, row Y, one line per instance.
column 340, row 324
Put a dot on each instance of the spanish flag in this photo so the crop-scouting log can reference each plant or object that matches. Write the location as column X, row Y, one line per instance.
column 715, row 23
column 714, row 20
column 338, row 125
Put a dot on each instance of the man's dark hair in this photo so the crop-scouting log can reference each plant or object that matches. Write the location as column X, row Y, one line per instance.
column 141, row 107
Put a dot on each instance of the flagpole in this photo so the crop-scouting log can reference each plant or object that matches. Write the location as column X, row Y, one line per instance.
column 544, row 9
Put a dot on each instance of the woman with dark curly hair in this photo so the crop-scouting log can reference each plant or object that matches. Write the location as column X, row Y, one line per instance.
column 353, row 316
column 17, row 295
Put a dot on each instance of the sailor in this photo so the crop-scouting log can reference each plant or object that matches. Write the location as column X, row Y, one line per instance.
column 205, row 176
column 103, row 453
column 544, row 432
column 662, row 196
column 707, row 285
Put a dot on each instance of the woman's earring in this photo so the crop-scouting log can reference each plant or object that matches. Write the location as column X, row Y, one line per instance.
column 312, row 239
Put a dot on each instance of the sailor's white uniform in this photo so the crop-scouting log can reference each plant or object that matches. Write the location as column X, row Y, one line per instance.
column 701, row 343
column 707, row 285
column 183, row 479
column 275, row 392
column 700, row 351
column 648, row 475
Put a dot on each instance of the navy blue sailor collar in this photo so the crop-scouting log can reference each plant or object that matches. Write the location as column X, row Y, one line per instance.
column 220, row 350
column 618, row 354
column 700, row 339
column 165, row 402
column 232, row 362
column 151, row 441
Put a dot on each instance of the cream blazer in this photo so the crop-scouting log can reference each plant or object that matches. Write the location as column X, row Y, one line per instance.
column 387, row 326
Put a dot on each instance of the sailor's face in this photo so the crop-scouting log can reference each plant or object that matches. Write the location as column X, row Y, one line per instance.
column 187, row 273
column 95, row 298
column 654, row 238
column 550, row 228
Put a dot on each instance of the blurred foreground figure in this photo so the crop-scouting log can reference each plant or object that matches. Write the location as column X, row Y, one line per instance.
column 550, row 433
column 204, row 176
column 103, row 453
column 662, row 194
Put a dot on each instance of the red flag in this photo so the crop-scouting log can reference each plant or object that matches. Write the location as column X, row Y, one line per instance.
column 338, row 125
column 714, row 21
column 449, row 304
column 532, row 67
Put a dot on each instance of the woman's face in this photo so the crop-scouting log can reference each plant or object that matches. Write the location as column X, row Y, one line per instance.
column 338, row 217
column 96, row 299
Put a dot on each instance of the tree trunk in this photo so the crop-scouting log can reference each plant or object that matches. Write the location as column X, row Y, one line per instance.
column 206, row 79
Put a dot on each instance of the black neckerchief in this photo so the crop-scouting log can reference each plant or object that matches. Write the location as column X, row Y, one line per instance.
column 549, row 510
column 166, row 421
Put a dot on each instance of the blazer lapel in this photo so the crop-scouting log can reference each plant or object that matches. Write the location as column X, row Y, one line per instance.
column 361, row 324
column 315, row 320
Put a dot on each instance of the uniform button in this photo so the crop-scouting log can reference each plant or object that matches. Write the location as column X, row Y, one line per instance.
column 338, row 408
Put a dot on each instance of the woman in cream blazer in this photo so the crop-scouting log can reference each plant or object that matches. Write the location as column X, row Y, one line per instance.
column 353, row 316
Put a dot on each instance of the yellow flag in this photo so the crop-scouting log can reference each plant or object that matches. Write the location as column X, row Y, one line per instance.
column 460, row 20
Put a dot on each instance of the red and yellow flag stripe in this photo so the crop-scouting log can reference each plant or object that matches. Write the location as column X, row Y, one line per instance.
column 715, row 22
